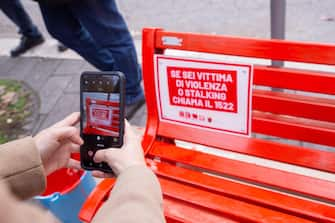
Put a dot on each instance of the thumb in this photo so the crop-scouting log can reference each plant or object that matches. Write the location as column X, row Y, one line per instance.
column 69, row 120
column 101, row 156
column 68, row 132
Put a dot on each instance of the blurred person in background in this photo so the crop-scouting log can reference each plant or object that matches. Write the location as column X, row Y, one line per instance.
column 31, row 36
column 97, row 31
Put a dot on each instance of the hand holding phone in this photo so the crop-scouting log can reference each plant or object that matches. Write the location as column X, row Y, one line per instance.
column 129, row 156
column 102, row 96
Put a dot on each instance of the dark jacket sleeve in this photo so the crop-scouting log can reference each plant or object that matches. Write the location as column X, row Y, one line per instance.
column 55, row 2
column 21, row 168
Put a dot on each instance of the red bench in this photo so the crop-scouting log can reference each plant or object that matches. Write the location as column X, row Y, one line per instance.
column 199, row 186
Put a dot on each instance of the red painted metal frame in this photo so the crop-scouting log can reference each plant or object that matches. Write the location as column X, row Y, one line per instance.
column 192, row 196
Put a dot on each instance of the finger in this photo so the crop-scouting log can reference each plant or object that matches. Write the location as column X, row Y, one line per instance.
column 75, row 164
column 128, row 128
column 69, row 146
column 67, row 132
column 126, row 122
column 73, row 147
column 70, row 120
column 100, row 156
column 100, row 174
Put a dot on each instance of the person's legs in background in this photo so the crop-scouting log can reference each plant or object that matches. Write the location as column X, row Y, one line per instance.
column 31, row 36
column 109, row 30
column 63, row 26
column 97, row 31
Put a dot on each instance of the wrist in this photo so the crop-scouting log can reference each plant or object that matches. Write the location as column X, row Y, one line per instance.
column 125, row 169
column 119, row 168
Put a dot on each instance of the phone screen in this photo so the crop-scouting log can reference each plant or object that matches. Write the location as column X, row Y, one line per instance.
column 102, row 115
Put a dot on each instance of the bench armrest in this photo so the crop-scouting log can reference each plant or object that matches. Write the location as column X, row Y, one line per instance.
column 97, row 197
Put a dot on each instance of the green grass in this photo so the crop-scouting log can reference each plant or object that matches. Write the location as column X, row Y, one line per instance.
column 3, row 139
column 11, row 85
column 19, row 105
column 17, row 111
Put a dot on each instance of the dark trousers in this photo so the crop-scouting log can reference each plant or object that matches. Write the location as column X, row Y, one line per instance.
column 15, row 12
column 97, row 31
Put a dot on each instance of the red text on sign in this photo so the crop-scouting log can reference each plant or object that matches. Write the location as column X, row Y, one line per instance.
column 203, row 88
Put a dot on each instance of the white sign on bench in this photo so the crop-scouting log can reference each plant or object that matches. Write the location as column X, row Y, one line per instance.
column 207, row 94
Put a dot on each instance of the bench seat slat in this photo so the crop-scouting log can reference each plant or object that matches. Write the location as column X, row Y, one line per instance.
column 316, row 159
column 295, row 79
column 181, row 212
column 251, row 194
column 235, row 209
column 294, row 105
column 258, row 174
column 251, row 47
column 294, row 128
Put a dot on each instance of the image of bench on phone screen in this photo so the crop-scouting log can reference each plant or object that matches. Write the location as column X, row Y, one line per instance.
column 102, row 116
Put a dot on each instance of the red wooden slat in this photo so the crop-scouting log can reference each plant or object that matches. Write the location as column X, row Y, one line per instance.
column 235, row 209
column 276, row 201
column 251, row 47
column 294, row 128
column 96, row 198
column 303, row 80
column 181, row 212
column 294, row 105
column 316, row 159
column 264, row 175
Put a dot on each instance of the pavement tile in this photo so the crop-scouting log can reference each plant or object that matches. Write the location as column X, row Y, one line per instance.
column 66, row 104
column 69, row 67
column 42, row 70
column 3, row 59
column 52, row 91
column 38, row 124
column 74, row 85
column 22, row 68
column 7, row 64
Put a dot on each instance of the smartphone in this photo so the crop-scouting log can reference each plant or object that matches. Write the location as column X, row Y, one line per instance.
column 102, row 102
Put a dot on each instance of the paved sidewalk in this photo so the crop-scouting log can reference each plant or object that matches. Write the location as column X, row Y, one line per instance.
column 56, row 81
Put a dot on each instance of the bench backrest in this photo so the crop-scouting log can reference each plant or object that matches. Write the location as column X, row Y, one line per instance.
column 304, row 115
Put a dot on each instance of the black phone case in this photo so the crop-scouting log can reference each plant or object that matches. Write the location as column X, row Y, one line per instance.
column 105, row 167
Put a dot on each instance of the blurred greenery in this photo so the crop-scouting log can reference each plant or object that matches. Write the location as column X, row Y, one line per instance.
column 14, row 113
